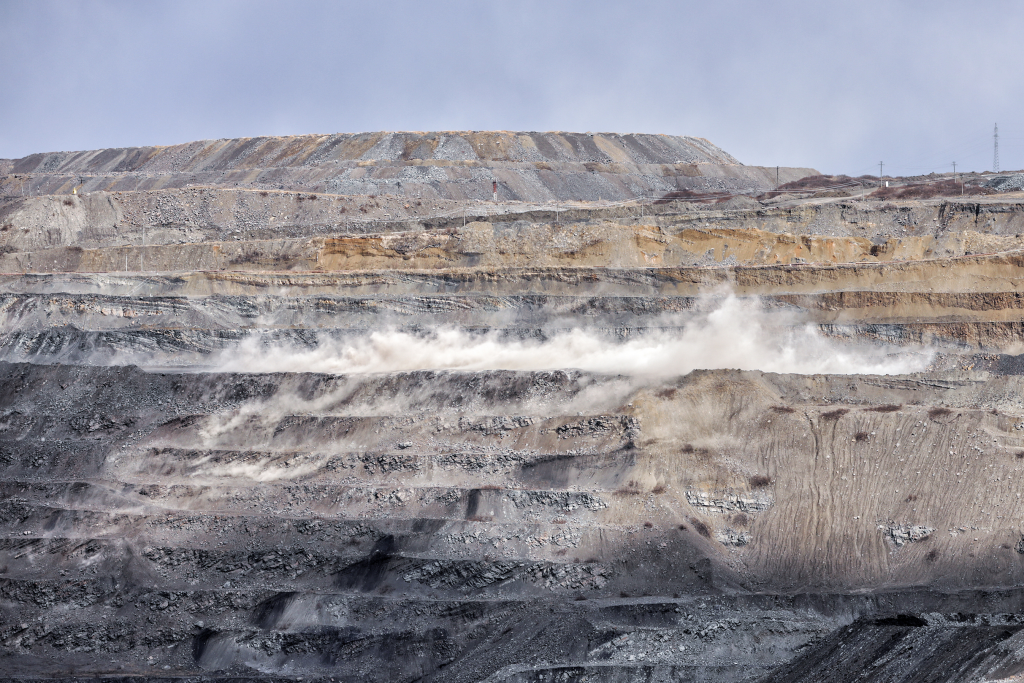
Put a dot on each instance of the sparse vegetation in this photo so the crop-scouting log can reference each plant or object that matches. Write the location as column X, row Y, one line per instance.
column 888, row 408
column 928, row 190
column 701, row 527
column 759, row 481
column 688, row 196
column 834, row 415
column 632, row 488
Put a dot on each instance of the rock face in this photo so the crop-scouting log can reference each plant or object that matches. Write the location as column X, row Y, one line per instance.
column 259, row 432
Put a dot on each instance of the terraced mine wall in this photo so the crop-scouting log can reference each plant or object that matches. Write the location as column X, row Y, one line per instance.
column 454, row 165
column 249, row 434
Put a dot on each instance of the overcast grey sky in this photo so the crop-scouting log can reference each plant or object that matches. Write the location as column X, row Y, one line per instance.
column 833, row 85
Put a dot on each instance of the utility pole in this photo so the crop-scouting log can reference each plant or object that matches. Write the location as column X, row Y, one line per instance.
column 995, row 150
column 954, row 171
column 879, row 173
column 776, row 177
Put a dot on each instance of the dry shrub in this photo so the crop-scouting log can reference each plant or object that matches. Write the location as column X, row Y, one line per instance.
column 932, row 555
column 740, row 519
column 69, row 202
column 688, row 196
column 558, row 521
column 580, row 598
column 659, row 489
column 938, row 412
column 860, row 436
column 667, row 393
column 631, row 488
column 834, row 414
column 264, row 193
column 759, row 481
column 890, row 408
column 911, row 498
column 942, row 188
column 648, row 525
column 1020, row 455
column 682, row 527
column 783, row 409
column 701, row 527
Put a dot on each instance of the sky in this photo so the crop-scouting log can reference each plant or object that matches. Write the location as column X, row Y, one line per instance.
column 837, row 86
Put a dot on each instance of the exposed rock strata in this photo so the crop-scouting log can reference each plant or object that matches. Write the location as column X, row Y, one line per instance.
column 161, row 517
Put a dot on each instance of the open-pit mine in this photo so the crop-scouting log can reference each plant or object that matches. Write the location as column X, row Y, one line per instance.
column 506, row 407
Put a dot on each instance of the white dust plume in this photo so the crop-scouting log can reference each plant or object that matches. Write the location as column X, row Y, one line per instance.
column 727, row 333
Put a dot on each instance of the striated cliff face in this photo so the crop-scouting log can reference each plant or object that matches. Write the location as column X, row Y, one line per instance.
column 253, row 433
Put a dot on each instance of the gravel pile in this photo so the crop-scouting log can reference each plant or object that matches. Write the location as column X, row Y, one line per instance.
column 1007, row 183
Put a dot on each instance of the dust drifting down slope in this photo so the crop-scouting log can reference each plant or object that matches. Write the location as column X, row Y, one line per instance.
column 725, row 332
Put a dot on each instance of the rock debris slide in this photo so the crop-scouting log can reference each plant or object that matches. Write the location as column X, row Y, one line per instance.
column 319, row 408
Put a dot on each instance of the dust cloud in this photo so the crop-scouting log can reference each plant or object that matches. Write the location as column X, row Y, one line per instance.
column 724, row 331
